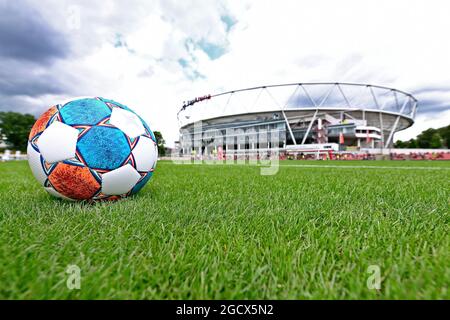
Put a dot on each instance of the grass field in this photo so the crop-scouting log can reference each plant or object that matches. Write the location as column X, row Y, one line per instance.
column 225, row 232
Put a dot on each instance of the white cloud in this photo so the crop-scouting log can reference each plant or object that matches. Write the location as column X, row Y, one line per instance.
column 400, row 43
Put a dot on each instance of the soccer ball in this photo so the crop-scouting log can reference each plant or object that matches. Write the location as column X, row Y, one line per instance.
column 92, row 149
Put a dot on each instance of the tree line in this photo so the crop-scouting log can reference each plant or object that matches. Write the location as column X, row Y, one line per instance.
column 428, row 139
column 15, row 128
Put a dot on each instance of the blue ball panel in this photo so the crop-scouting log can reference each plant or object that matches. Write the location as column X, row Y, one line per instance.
column 104, row 148
column 141, row 183
column 84, row 112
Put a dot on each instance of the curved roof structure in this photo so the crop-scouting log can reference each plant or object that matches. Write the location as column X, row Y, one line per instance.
column 295, row 96
column 381, row 106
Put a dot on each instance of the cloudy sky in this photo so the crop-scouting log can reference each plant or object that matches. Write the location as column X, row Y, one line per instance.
column 153, row 55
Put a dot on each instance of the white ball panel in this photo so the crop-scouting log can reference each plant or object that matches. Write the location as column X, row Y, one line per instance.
column 127, row 121
column 145, row 153
column 58, row 142
column 120, row 181
column 34, row 160
column 156, row 156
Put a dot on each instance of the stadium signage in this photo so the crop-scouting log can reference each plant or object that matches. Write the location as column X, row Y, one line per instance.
column 313, row 147
column 195, row 100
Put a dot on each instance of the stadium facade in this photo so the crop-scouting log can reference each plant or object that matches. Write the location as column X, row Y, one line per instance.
column 298, row 117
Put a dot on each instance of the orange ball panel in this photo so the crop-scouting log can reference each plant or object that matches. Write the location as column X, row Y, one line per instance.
column 41, row 123
column 73, row 181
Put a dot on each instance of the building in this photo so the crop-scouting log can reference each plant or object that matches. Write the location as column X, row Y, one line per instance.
column 295, row 117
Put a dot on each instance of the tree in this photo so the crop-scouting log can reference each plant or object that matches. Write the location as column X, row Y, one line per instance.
column 436, row 141
column 412, row 143
column 445, row 134
column 400, row 144
column 15, row 128
column 428, row 139
column 424, row 139
column 160, row 142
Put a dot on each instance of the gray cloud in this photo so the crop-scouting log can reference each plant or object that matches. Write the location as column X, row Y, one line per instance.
column 432, row 100
column 431, row 89
column 22, row 104
column 22, row 78
column 432, row 106
column 29, row 51
column 26, row 35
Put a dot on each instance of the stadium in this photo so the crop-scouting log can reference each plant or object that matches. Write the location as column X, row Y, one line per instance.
column 256, row 203
column 298, row 118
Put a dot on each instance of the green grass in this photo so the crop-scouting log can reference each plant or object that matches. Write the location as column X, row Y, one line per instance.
column 226, row 232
